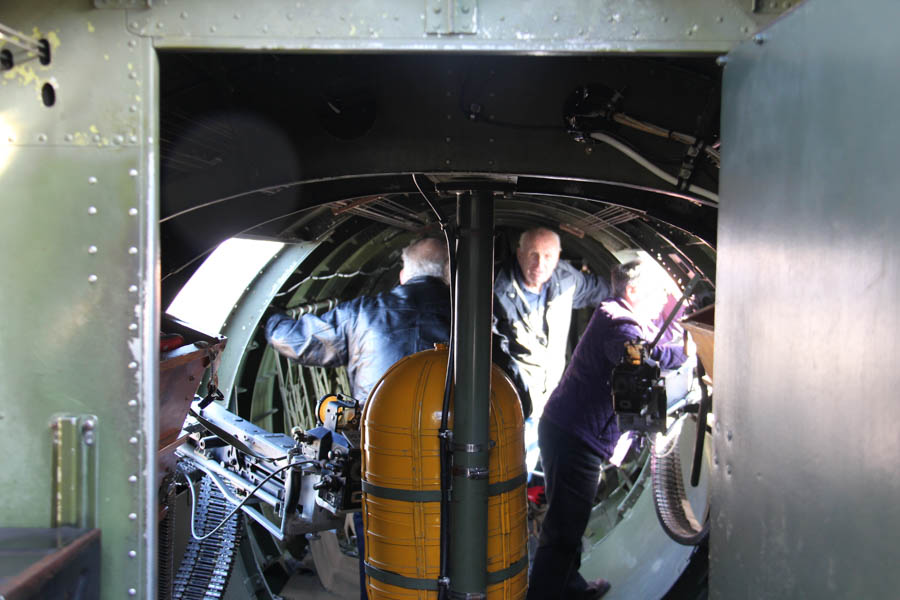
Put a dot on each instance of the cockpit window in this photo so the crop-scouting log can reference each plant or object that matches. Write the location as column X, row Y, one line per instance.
column 209, row 296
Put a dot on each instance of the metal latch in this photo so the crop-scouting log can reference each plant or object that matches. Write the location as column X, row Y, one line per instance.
column 74, row 477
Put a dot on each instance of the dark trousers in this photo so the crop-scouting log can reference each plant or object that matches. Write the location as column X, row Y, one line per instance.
column 361, row 546
column 571, row 472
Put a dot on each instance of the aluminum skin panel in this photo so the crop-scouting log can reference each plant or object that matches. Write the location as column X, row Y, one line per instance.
column 78, row 253
column 532, row 26
column 807, row 439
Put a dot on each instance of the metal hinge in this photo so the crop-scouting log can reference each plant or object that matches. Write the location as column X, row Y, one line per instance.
column 451, row 16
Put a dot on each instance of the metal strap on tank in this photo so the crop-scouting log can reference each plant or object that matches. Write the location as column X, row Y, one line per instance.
column 431, row 585
column 510, row 571
column 410, row 583
column 404, row 495
column 494, row 489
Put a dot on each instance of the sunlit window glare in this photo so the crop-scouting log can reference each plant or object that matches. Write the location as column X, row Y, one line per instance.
column 658, row 275
column 209, row 296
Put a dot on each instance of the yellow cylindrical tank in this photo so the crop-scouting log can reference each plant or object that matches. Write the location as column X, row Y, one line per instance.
column 401, row 483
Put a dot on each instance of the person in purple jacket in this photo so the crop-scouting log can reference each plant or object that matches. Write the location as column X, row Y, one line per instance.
column 578, row 430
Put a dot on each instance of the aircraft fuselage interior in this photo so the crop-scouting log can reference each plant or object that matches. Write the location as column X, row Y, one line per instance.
column 176, row 171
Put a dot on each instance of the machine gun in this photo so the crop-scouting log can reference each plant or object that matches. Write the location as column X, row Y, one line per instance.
column 310, row 479
column 639, row 391
column 640, row 403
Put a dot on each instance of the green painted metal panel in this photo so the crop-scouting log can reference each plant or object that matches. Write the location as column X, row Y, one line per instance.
column 532, row 26
column 78, row 249
column 242, row 323
column 79, row 240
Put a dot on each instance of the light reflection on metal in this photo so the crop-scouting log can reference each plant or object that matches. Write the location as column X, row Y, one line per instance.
column 7, row 140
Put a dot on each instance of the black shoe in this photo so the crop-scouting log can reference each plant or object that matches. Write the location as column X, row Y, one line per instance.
column 596, row 589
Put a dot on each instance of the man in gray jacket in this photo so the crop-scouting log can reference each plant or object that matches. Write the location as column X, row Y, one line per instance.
column 533, row 300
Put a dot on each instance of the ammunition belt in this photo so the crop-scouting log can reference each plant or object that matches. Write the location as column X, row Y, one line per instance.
column 207, row 565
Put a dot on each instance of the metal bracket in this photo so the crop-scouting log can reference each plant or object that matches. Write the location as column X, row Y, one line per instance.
column 74, row 475
column 769, row 7
column 473, row 448
column 451, row 16
column 471, row 472
column 39, row 49
column 686, row 172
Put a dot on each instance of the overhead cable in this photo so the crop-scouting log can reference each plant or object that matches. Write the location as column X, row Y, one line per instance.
column 639, row 159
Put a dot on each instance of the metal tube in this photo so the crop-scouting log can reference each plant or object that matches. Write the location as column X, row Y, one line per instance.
column 472, row 393
column 17, row 38
column 250, row 512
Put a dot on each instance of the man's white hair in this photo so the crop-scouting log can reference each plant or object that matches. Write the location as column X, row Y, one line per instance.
column 427, row 256
column 530, row 233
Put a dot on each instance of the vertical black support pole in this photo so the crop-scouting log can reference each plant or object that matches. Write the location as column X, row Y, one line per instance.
column 472, row 393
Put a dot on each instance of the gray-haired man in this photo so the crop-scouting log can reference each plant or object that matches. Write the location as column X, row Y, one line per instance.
column 371, row 333
column 533, row 300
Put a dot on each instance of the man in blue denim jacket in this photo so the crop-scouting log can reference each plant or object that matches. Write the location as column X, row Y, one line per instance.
column 371, row 333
